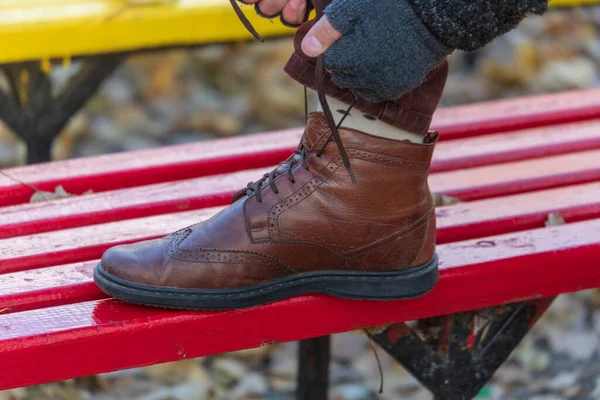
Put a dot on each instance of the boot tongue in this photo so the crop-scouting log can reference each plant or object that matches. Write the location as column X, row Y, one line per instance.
column 264, row 180
column 316, row 128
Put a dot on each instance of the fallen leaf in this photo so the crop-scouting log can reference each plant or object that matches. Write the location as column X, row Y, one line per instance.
column 554, row 219
column 441, row 200
column 59, row 193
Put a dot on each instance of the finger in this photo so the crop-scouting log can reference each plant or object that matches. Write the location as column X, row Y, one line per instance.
column 294, row 12
column 271, row 8
column 319, row 38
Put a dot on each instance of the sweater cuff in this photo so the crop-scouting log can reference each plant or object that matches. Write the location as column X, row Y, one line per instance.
column 468, row 25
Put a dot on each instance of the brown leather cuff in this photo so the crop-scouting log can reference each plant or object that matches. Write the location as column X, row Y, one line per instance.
column 412, row 112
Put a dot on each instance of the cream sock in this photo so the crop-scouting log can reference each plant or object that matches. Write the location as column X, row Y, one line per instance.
column 365, row 123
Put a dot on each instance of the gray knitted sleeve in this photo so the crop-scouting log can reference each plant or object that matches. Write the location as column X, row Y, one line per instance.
column 389, row 46
column 470, row 24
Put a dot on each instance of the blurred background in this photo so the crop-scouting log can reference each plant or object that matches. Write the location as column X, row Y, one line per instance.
column 179, row 96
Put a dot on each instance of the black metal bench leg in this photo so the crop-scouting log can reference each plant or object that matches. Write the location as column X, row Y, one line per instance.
column 313, row 368
column 455, row 355
column 35, row 114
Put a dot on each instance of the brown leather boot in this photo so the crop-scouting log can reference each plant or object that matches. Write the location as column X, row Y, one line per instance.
column 304, row 228
column 352, row 217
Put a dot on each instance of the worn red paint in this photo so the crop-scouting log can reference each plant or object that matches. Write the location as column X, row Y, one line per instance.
column 520, row 176
column 514, row 114
column 113, row 335
column 525, row 144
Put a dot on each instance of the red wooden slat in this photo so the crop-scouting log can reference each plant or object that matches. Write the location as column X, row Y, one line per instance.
column 517, row 212
column 518, row 145
column 116, row 171
column 123, row 204
column 47, row 287
column 88, row 242
column 107, row 335
column 518, row 177
column 217, row 189
column 71, row 283
column 514, row 114
column 122, row 170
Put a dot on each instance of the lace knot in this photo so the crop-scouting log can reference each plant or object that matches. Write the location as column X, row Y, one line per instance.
column 301, row 153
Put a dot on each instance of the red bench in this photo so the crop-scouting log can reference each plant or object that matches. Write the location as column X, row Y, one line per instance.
column 513, row 162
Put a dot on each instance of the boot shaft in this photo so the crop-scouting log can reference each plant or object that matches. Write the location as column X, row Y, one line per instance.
column 412, row 112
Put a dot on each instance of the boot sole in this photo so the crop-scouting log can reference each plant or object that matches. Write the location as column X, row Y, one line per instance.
column 405, row 284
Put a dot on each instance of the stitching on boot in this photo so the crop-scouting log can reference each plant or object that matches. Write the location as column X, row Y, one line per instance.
column 420, row 252
column 322, row 176
column 356, row 257
column 219, row 256
column 386, row 240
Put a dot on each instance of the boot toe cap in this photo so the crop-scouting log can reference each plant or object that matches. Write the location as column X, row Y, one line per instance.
column 138, row 262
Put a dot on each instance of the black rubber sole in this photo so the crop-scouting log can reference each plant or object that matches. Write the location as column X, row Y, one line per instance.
column 407, row 284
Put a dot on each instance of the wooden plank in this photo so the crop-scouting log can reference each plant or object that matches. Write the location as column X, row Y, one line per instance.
column 58, row 28
column 116, row 171
column 123, row 204
column 130, row 169
column 518, row 177
column 571, row 3
column 524, row 113
column 112, row 335
column 71, row 283
column 217, row 190
column 506, row 214
column 88, row 242
column 517, row 145
column 48, row 287
column 41, row 29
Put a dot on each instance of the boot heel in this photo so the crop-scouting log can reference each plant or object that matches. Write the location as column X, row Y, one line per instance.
column 406, row 284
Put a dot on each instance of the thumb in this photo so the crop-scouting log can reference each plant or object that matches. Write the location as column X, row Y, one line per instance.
column 319, row 38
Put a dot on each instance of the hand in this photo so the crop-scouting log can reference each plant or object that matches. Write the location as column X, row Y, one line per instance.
column 321, row 35
column 292, row 12
column 319, row 38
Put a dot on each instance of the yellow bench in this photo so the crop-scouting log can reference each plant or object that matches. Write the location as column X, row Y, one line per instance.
column 44, row 29
column 38, row 33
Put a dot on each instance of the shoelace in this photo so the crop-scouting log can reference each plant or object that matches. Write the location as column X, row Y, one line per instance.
column 298, row 157
column 300, row 154
column 242, row 17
